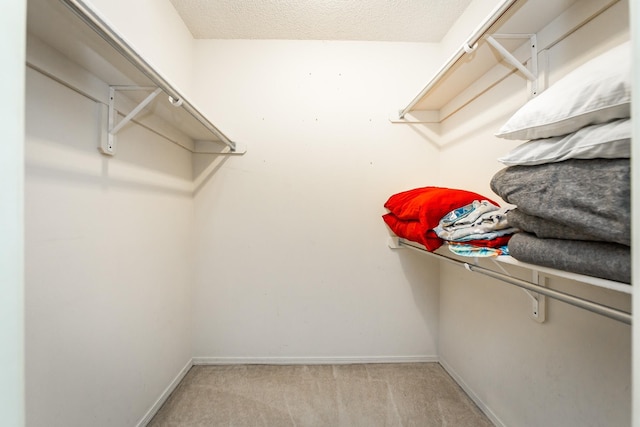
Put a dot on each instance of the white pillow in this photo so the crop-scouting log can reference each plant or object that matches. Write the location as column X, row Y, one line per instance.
column 609, row 141
column 596, row 92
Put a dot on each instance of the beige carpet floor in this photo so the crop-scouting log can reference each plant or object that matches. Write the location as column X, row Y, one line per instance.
column 368, row 395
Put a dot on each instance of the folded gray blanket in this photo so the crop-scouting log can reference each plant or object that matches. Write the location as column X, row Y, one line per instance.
column 591, row 197
column 599, row 259
column 546, row 228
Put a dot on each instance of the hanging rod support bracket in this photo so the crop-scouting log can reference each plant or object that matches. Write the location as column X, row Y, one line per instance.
column 538, row 301
column 531, row 75
column 108, row 139
column 468, row 49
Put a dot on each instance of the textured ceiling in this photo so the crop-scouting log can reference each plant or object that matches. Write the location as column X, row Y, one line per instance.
column 370, row 20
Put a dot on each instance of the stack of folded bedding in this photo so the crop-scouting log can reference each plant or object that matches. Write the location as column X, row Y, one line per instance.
column 471, row 223
column 570, row 182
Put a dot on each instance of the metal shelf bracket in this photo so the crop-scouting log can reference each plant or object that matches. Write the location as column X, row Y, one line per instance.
column 108, row 137
column 531, row 75
column 538, row 301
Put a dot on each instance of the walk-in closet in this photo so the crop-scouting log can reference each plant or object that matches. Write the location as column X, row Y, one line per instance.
column 316, row 213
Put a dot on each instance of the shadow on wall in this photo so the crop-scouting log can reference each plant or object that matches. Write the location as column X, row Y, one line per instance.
column 423, row 275
column 205, row 167
column 63, row 131
column 64, row 127
column 55, row 174
column 481, row 118
column 470, row 132
column 430, row 132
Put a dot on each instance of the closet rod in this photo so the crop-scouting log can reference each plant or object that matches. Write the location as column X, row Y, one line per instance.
column 603, row 310
column 96, row 23
column 467, row 47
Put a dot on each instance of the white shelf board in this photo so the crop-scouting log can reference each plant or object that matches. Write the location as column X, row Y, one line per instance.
column 626, row 288
column 551, row 21
column 595, row 281
column 57, row 27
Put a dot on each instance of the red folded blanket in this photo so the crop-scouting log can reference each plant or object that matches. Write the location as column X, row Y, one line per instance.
column 414, row 213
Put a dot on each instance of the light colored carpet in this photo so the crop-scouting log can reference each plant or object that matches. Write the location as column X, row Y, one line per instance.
column 368, row 395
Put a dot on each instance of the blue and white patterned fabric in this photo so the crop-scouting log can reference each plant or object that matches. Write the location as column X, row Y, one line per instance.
column 480, row 220
column 477, row 251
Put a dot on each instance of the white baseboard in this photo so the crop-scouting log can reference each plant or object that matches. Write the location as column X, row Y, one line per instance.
column 340, row 360
column 165, row 395
column 476, row 399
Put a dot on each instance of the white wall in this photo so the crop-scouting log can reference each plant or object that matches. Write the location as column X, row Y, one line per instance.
column 156, row 31
column 292, row 256
column 108, row 264
column 573, row 370
column 12, row 46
